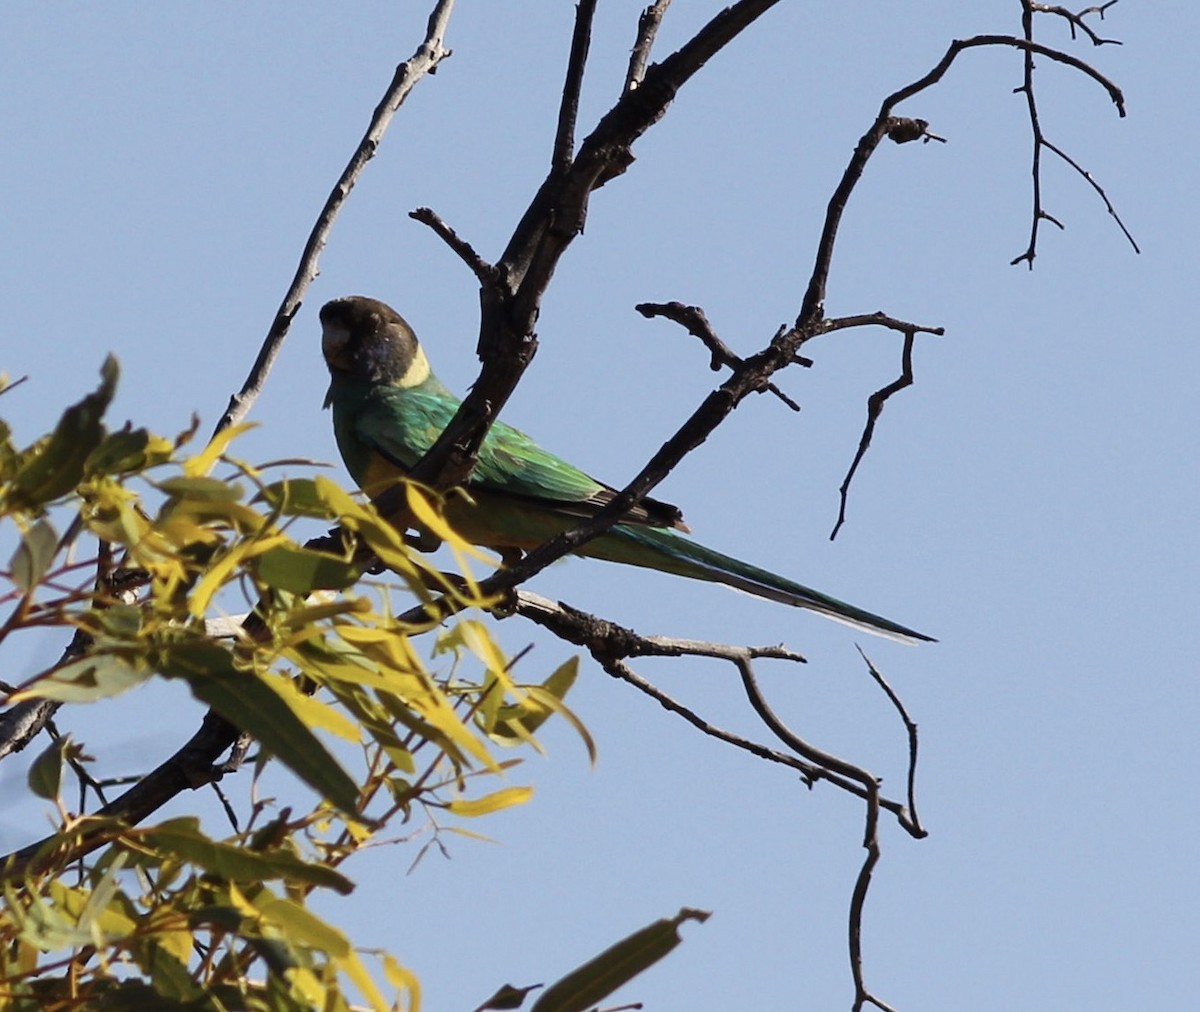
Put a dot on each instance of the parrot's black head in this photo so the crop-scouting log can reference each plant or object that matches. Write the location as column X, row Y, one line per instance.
column 367, row 340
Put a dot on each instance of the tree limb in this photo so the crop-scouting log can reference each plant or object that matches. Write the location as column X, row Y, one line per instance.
column 424, row 61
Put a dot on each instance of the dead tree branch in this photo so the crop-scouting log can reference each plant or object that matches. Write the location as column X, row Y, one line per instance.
column 880, row 397
column 639, row 56
column 694, row 320
column 1040, row 214
column 611, row 644
column 424, row 61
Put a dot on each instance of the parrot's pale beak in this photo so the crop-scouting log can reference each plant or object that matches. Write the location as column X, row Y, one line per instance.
column 333, row 344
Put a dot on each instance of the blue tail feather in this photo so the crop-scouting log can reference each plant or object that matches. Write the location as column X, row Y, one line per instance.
column 675, row 553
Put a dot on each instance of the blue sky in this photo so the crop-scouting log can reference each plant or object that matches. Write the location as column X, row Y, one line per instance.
column 1031, row 501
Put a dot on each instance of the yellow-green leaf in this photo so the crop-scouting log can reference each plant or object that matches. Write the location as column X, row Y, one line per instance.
column 183, row 838
column 315, row 713
column 298, row 497
column 402, row 977
column 127, row 450
column 202, row 488
column 494, row 802
column 301, row 926
column 202, row 463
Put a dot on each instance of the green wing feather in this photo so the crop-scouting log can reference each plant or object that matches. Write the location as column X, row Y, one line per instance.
column 402, row 424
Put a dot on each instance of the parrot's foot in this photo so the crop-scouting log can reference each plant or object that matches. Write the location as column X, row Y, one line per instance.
column 506, row 603
column 509, row 556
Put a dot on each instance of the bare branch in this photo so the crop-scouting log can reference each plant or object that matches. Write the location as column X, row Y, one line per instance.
column 482, row 270
column 551, row 222
column 568, row 110
column 692, row 318
column 880, row 397
column 1076, row 20
column 609, row 643
column 870, row 788
column 814, row 297
column 1095, row 186
column 909, row 726
column 424, row 61
column 191, row 767
column 639, row 56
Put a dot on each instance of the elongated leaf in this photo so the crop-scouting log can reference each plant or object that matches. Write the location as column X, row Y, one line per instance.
column 170, row 975
column 33, row 556
column 301, row 926
column 98, row 676
column 127, row 450
column 598, row 978
column 301, row 570
column 297, row 497
column 203, row 488
column 202, row 462
column 249, row 703
column 58, row 466
column 314, row 713
column 402, row 977
column 183, row 838
column 494, row 802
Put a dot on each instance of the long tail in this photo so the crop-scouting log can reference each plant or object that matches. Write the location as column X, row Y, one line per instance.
column 665, row 550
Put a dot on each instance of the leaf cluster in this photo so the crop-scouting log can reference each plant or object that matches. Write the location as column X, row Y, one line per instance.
column 160, row 563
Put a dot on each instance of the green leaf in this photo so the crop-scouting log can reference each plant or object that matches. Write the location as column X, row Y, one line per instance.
column 31, row 561
column 301, row 926
column 183, row 838
column 57, row 467
column 301, row 570
column 45, row 772
column 202, row 488
column 170, row 978
column 97, row 676
column 125, row 451
column 249, row 703
column 599, row 977
column 297, row 497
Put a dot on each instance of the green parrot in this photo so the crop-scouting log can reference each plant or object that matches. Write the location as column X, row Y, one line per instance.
column 389, row 408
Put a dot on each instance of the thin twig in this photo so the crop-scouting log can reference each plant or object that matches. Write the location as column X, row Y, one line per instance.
column 483, row 271
column 814, row 296
column 568, row 110
column 870, row 787
column 910, row 728
column 609, row 644
column 1075, row 19
column 1040, row 214
column 694, row 320
column 879, row 398
column 424, row 61
column 1095, row 186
